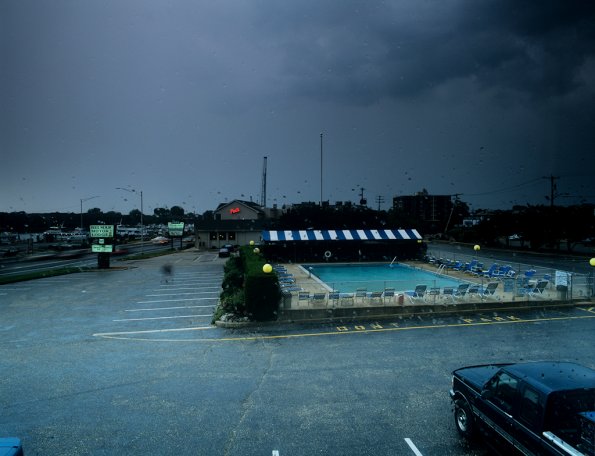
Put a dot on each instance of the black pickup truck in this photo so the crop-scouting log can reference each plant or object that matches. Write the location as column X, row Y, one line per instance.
column 529, row 408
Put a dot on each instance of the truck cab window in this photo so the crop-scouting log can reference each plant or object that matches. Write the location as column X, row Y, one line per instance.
column 504, row 391
column 531, row 408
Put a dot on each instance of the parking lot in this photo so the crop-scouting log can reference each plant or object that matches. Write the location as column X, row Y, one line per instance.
column 126, row 361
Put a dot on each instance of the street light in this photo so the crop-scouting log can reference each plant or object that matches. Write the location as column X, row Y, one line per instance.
column 142, row 229
column 85, row 199
column 320, row 169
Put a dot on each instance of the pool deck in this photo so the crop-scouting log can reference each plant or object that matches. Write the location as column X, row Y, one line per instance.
column 376, row 306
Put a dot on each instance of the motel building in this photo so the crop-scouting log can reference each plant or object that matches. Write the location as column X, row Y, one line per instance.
column 239, row 222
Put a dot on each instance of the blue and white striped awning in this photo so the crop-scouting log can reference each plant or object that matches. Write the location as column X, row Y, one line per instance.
column 339, row 235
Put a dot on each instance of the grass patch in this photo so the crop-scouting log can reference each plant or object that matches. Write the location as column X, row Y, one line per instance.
column 144, row 256
column 40, row 274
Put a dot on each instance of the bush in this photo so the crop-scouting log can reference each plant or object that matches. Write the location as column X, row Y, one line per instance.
column 233, row 278
column 262, row 296
column 247, row 290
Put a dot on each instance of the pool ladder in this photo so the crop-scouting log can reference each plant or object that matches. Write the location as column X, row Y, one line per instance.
column 441, row 268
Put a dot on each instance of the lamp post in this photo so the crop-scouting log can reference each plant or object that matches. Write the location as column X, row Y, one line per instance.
column 142, row 229
column 82, row 200
column 592, row 263
column 320, row 169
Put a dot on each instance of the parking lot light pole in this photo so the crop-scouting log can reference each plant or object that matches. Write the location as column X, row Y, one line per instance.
column 142, row 229
column 82, row 200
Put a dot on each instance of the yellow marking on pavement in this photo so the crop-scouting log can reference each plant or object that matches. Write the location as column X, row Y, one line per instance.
column 341, row 330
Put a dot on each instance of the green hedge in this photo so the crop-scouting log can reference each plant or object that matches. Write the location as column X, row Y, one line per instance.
column 247, row 289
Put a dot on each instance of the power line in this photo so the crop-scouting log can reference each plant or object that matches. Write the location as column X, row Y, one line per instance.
column 513, row 187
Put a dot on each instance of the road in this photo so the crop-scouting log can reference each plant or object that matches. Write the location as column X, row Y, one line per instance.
column 78, row 258
column 121, row 361
column 569, row 263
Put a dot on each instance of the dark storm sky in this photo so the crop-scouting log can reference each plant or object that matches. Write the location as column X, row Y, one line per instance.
column 183, row 99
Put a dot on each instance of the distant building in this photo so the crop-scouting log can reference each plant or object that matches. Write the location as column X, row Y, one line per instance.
column 235, row 222
column 431, row 211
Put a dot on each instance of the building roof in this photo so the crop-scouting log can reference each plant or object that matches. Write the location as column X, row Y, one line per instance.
column 340, row 235
column 257, row 207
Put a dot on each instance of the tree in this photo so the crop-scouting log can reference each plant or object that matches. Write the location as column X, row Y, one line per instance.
column 162, row 214
column 177, row 213
column 135, row 217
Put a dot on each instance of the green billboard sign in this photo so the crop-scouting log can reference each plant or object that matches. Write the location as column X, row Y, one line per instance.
column 102, row 248
column 101, row 231
column 176, row 229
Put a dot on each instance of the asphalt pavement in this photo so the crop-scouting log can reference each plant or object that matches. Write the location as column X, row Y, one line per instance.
column 125, row 361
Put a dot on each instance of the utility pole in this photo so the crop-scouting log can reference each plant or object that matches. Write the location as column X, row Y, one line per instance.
column 379, row 200
column 452, row 208
column 320, row 169
column 362, row 200
column 263, row 190
column 553, row 188
column 82, row 201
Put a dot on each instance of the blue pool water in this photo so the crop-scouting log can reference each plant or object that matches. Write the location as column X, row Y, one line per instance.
column 377, row 277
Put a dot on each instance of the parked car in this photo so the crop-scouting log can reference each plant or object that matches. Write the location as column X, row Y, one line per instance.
column 528, row 408
column 224, row 252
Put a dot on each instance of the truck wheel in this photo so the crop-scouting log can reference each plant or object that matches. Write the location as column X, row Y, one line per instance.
column 464, row 419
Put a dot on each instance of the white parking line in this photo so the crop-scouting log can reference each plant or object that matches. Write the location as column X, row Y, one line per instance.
column 275, row 452
column 167, row 308
column 124, row 333
column 182, row 294
column 162, row 318
column 187, row 288
column 413, row 447
column 173, row 300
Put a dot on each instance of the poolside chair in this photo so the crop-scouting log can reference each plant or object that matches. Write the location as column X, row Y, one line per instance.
column 528, row 278
column 334, row 298
column 303, row 296
column 448, row 292
column 538, row 289
column 502, row 272
column 476, row 269
column 361, row 294
column 319, row 299
column 461, row 291
column 491, row 271
column 470, row 266
column 291, row 288
column 473, row 290
column 419, row 294
column 389, row 294
column 347, row 299
column 375, row 296
column 489, row 290
column 434, row 292
column 458, row 266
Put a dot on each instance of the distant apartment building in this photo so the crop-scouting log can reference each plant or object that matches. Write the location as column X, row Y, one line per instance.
column 432, row 212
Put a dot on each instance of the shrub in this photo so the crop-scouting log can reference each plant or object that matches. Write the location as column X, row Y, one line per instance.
column 233, row 278
column 247, row 290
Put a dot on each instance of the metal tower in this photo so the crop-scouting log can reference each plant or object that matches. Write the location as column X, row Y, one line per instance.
column 263, row 190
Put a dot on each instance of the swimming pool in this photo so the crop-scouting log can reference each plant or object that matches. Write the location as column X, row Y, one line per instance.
column 377, row 277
